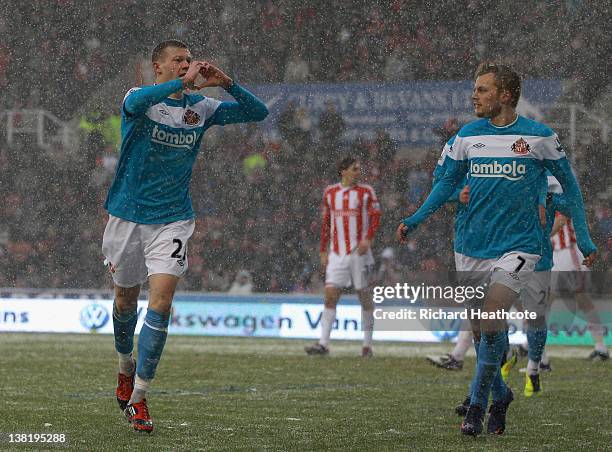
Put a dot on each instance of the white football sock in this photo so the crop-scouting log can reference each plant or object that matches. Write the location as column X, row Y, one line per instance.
column 127, row 366
column 327, row 322
column 367, row 325
column 533, row 367
column 141, row 386
column 464, row 342
column 600, row 346
column 596, row 329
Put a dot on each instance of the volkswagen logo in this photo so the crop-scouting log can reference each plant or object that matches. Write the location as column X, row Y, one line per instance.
column 445, row 330
column 94, row 316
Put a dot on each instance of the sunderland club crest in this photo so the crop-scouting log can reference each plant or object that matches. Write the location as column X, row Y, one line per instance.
column 191, row 118
column 521, row 147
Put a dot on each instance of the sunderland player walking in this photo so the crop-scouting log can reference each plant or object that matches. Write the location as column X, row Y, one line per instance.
column 535, row 296
column 150, row 214
column 505, row 156
column 351, row 216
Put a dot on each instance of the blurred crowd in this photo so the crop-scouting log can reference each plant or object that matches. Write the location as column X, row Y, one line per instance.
column 258, row 207
column 55, row 52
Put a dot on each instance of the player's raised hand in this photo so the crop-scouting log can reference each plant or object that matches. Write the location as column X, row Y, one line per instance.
column 401, row 233
column 589, row 260
column 214, row 76
column 189, row 78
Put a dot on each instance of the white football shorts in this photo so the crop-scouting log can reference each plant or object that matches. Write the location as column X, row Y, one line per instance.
column 568, row 274
column 341, row 271
column 136, row 251
column 535, row 294
column 512, row 269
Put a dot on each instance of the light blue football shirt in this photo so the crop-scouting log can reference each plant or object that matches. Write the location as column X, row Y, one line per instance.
column 160, row 139
column 505, row 167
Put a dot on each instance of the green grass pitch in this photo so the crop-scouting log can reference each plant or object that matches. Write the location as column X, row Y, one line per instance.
column 265, row 394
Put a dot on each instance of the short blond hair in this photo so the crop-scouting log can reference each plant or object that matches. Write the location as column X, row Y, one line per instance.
column 506, row 79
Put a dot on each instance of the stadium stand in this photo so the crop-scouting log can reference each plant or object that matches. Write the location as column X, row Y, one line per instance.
column 260, row 213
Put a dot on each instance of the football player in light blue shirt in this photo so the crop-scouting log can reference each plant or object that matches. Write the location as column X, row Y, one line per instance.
column 150, row 214
column 505, row 156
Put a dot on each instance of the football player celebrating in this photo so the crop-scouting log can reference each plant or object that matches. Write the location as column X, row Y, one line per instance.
column 505, row 156
column 150, row 214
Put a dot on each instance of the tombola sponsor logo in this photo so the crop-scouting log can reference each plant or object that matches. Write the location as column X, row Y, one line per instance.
column 177, row 140
column 511, row 171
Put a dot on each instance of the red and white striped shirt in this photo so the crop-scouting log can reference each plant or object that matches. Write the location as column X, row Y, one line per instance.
column 565, row 238
column 350, row 214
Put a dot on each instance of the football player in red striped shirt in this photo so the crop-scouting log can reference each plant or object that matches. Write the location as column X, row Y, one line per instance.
column 351, row 215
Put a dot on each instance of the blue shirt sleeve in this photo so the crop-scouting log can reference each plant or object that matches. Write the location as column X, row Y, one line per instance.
column 455, row 171
column 543, row 191
column 438, row 173
column 247, row 108
column 560, row 205
column 138, row 101
column 562, row 171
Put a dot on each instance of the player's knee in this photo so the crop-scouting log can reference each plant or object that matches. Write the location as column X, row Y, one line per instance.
column 365, row 299
column 161, row 292
column 161, row 303
column 332, row 295
column 539, row 323
column 475, row 325
column 331, row 304
column 584, row 301
column 126, row 298
column 492, row 325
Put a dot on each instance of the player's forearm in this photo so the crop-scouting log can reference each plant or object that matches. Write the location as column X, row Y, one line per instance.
column 434, row 201
column 140, row 100
column 560, row 205
column 247, row 108
column 325, row 233
column 439, row 195
column 373, row 227
column 324, row 245
column 559, row 222
column 563, row 172
column 454, row 197
column 437, row 177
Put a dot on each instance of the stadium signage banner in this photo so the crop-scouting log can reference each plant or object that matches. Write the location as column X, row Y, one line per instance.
column 260, row 315
column 60, row 315
column 408, row 111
